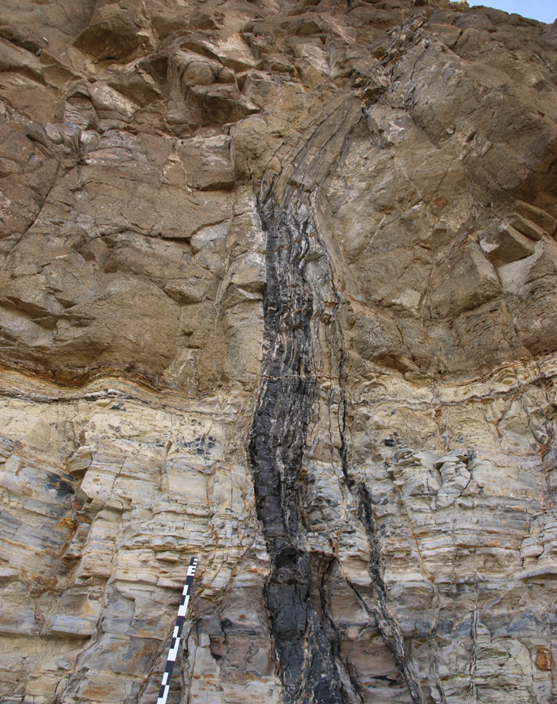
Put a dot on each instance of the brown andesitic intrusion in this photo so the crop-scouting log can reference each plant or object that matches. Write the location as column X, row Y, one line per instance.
column 278, row 289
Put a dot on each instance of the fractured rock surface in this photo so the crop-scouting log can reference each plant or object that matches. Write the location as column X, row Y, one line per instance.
column 278, row 289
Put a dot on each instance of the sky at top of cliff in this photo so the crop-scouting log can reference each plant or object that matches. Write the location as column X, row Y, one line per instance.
column 543, row 10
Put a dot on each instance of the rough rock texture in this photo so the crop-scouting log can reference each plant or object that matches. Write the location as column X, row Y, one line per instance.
column 278, row 289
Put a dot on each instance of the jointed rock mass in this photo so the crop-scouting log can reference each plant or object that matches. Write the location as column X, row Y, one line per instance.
column 278, row 289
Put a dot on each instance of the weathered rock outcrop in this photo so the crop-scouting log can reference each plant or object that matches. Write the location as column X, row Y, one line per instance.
column 278, row 289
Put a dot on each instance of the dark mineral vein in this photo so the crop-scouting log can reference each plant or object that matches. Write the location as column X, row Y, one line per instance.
column 306, row 643
column 276, row 449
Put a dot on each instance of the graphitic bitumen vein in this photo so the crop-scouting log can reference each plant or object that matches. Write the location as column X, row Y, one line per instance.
column 276, row 450
column 306, row 643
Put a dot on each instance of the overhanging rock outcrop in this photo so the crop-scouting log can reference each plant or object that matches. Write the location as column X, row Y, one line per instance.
column 278, row 289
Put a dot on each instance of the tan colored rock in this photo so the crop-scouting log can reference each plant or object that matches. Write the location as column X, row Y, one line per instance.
column 278, row 289
column 113, row 33
column 466, row 283
column 506, row 245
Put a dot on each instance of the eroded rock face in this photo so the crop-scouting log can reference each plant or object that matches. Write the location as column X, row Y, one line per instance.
column 278, row 289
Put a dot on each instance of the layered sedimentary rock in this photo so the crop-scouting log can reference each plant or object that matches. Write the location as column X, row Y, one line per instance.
column 278, row 289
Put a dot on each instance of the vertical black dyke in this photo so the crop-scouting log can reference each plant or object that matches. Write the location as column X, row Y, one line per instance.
column 306, row 644
column 276, row 448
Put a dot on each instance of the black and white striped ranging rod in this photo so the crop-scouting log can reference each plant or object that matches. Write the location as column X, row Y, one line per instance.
column 173, row 652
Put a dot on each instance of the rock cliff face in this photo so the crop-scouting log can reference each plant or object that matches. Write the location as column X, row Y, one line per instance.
column 278, row 289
